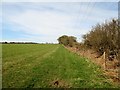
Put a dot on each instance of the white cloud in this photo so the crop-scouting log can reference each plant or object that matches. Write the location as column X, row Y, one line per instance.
column 46, row 23
column 50, row 24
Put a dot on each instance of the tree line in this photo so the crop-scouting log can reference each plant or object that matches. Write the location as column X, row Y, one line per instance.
column 102, row 38
column 18, row 43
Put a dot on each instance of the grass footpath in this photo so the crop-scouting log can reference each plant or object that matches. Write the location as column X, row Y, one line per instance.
column 40, row 66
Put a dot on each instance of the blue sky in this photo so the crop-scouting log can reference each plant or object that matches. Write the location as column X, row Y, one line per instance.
column 46, row 21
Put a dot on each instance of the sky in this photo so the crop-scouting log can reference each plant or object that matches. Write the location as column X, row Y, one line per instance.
column 46, row 21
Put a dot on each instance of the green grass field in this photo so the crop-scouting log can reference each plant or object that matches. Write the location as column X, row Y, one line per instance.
column 39, row 66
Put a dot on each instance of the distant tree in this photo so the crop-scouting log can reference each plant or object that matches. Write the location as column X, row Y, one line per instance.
column 71, row 41
column 5, row 42
column 63, row 40
column 67, row 40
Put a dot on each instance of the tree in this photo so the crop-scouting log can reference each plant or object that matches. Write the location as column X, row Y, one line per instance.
column 63, row 40
column 67, row 40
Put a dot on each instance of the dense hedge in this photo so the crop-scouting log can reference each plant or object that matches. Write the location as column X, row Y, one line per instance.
column 104, row 38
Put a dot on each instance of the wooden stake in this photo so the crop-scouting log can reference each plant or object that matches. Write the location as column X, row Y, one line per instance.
column 104, row 60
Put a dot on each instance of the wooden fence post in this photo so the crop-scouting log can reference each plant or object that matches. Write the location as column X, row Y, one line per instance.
column 104, row 61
